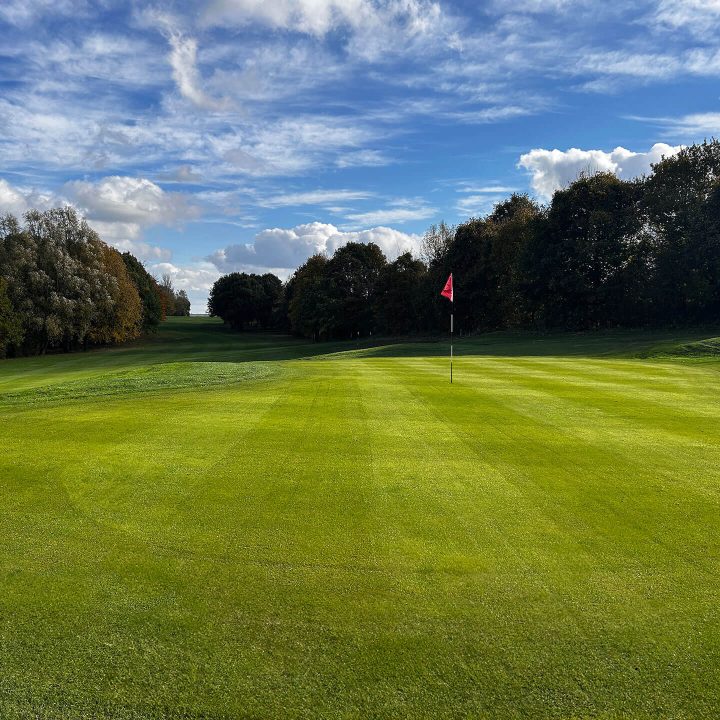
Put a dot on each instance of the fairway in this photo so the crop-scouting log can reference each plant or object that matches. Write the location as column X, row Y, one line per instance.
column 215, row 525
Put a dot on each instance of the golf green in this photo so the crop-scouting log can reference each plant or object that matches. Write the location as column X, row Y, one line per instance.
column 217, row 525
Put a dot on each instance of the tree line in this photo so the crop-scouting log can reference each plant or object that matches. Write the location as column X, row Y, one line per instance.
column 603, row 253
column 62, row 287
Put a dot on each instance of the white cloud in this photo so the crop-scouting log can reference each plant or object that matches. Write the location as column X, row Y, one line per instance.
column 288, row 248
column 125, row 233
column 18, row 200
column 183, row 59
column 612, row 65
column 181, row 174
column 24, row 12
column 315, row 197
column 477, row 205
column 486, row 189
column 363, row 158
column 400, row 211
column 120, row 208
column 697, row 16
column 315, row 17
column 551, row 170
column 319, row 17
column 128, row 199
column 698, row 125
column 198, row 277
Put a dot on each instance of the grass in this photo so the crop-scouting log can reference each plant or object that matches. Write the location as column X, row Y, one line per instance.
column 210, row 525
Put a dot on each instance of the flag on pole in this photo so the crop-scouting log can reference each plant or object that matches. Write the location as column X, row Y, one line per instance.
column 447, row 291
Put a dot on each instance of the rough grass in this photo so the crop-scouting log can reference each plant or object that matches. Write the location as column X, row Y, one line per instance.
column 210, row 525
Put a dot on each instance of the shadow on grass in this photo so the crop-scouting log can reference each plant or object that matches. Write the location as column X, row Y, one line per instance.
column 202, row 339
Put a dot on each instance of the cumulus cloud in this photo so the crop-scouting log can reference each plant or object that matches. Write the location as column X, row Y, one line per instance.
column 198, row 277
column 18, row 200
column 551, row 170
column 287, row 248
column 119, row 208
column 128, row 199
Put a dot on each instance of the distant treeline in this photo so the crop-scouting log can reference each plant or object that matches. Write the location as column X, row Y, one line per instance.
column 61, row 287
column 604, row 253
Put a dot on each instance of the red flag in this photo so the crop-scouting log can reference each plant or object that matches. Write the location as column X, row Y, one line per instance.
column 447, row 291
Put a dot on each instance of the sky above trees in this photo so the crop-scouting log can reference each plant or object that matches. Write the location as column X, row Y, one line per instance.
column 209, row 137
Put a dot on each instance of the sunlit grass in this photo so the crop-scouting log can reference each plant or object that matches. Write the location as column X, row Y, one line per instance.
column 210, row 525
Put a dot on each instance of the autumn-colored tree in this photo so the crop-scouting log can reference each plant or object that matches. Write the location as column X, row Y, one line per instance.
column 124, row 321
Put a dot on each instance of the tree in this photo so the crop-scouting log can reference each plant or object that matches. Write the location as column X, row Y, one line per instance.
column 402, row 296
column 245, row 301
column 11, row 331
column 680, row 203
column 575, row 266
column 352, row 276
column 512, row 224
column 182, row 303
column 307, row 299
column 55, row 277
column 148, row 290
column 167, row 295
column 124, row 320
column 436, row 243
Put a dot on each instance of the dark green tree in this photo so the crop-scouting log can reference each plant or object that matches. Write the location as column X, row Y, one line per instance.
column 245, row 301
column 11, row 330
column 680, row 201
column 307, row 299
column 402, row 297
column 352, row 276
column 575, row 265
column 182, row 303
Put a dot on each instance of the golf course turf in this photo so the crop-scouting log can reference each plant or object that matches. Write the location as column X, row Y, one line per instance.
column 209, row 524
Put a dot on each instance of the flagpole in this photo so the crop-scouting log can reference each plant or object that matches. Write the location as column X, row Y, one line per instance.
column 447, row 292
column 451, row 329
column 452, row 306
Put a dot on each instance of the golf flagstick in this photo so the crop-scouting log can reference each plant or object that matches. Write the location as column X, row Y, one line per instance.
column 447, row 292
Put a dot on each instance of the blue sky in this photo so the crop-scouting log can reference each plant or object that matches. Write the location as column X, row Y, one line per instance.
column 226, row 135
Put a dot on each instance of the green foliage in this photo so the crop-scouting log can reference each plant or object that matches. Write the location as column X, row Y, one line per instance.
column 351, row 279
column 245, row 301
column 682, row 202
column 403, row 293
column 577, row 263
column 61, row 287
column 56, row 280
column 308, row 304
column 604, row 253
column 182, row 304
column 11, row 330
